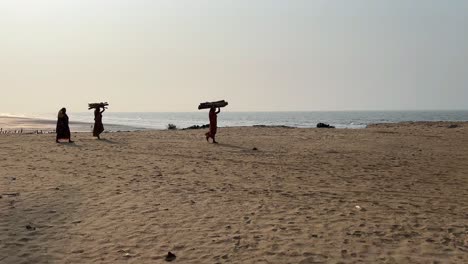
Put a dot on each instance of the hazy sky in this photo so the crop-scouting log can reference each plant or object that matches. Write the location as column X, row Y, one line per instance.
column 260, row 55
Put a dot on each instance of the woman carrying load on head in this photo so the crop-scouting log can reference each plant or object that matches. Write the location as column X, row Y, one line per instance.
column 213, row 115
column 63, row 130
column 98, row 126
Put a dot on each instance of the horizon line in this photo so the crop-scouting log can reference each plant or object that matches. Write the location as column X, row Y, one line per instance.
column 7, row 114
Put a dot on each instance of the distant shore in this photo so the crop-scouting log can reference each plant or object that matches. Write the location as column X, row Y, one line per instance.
column 37, row 125
column 44, row 126
column 132, row 121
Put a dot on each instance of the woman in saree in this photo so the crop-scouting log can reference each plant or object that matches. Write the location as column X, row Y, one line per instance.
column 98, row 126
column 213, row 115
column 63, row 130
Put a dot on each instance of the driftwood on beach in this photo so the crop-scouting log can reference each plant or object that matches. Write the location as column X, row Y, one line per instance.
column 97, row 105
column 216, row 104
column 323, row 125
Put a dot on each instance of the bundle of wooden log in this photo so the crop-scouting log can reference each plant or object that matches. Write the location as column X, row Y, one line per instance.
column 216, row 104
column 97, row 105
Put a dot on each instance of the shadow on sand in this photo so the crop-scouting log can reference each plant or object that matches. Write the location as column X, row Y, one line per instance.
column 70, row 145
column 108, row 141
column 233, row 146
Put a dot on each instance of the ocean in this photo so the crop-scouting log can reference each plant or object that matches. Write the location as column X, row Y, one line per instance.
column 340, row 119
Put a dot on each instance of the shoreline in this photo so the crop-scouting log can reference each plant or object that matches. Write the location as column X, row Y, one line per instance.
column 9, row 124
column 45, row 126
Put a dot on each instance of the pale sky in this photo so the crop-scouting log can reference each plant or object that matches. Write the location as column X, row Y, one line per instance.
column 260, row 55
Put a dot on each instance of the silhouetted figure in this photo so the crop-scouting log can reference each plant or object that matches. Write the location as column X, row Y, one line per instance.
column 63, row 130
column 98, row 126
column 213, row 124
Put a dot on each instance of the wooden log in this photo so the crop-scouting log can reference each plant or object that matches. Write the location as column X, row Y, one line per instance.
column 208, row 105
column 97, row 105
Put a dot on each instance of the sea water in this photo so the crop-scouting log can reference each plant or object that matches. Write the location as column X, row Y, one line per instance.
column 340, row 119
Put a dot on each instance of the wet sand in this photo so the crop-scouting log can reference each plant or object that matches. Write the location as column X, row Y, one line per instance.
column 34, row 125
column 386, row 194
column 27, row 124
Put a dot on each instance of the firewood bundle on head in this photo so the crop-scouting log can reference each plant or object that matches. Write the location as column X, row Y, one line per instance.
column 208, row 105
column 97, row 105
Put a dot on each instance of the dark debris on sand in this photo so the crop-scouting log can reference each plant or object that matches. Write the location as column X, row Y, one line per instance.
column 170, row 257
column 197, row 127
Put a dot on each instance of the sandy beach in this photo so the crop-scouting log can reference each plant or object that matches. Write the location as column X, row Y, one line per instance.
column 394, row 193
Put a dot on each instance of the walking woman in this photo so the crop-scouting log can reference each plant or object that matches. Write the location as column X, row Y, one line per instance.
column 63, row 130
column 213, row 124
column 98, row 126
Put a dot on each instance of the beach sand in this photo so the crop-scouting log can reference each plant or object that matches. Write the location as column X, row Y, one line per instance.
column 386, row 194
